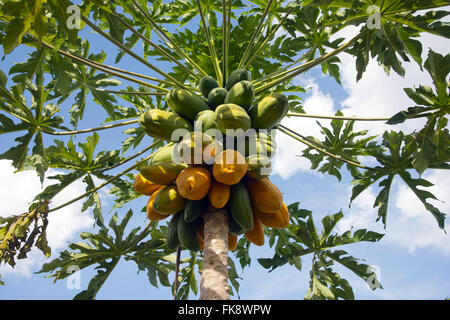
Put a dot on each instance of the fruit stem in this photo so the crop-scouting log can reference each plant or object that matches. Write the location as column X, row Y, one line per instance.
column 177, row 270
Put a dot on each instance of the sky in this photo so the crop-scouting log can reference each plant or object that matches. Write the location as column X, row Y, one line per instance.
column 412, row 260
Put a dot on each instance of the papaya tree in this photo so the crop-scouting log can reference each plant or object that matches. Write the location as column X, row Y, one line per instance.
column 209, row 72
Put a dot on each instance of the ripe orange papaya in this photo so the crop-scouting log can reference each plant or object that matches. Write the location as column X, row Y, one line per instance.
column 278, row 220
column 194, row 182
column 265, row 196
column 256, row 235
column 144, row 186
column 229, row 167
column 232, row 241
column 219, row 194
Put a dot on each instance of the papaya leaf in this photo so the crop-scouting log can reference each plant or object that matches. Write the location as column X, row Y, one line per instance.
column 20, row 233
column 325, row 283
column 397, row 29
column 340, row 140
column 101, row 250
column 423, row 195
column 362, row 270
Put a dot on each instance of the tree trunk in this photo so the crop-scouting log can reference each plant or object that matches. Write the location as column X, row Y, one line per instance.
column 214, row 280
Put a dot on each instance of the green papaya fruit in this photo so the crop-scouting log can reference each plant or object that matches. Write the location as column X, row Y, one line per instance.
column 169, row 201
column 236, row 76
column 195, row 148
column 242, row 94
column 187, row 234
column 259, row 166
column 163, row 155
column 234, row 227
column 260, row 144
column 163, row 173
column 232, row 116
column 216, row 97
column 186, row 103
column 269, row 111
column 172, row 231
column 194, row 209
column 239, row 206
column 206, row 84
column 161, row 124
column 205, row 120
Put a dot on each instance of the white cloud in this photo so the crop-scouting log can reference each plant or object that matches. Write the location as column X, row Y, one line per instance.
column 409, row 224
column 16, row 193
column 286, row 163
column 416, row 228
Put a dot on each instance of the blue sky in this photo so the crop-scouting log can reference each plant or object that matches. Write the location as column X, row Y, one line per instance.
column 413, row 258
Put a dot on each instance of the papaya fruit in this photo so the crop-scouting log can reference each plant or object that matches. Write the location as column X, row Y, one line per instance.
column 278, row 220
column 233, row 226
column 161, row 124
column 242, row 94
column 205, row 120
column 265, row 196
column 193, row 149
column 269, row 111
column 219, row 194
column 256, row 235
column 187, row 234
column 169, row 201
column 186, row 103
column 206, row 84
column 232, row 116
column 232, row 241
column 163, row 174
column 260, row 144
column 259, row 166
column 163, row 154
column 172, row 231
column 144, row 186
column 216, row 97
column 194, row 182
column 229, row 167
column 152, row 214
column 239, row 206
column 200, row 238
column 194, row 209
column 237, row 76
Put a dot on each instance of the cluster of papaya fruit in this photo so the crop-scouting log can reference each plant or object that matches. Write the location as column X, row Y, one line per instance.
column 186, row 189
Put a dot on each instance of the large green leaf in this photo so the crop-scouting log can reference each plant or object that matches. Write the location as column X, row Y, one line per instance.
column 325, row 283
